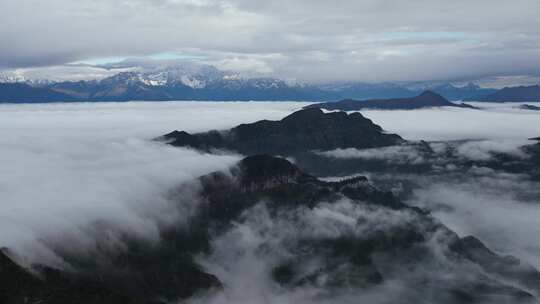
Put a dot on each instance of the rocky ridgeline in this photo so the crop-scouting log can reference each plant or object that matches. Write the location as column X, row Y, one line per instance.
column 305, row 130
column 427, row 99
column 360, row 255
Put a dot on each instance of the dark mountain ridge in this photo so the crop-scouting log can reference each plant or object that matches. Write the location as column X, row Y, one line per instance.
column 451, row 92
column 347, row 259
column 207, row 83
column 128, row 87
column 304, row 130
column 427, row 99
column 529, row 107
column 513, row 94
column 20, row 92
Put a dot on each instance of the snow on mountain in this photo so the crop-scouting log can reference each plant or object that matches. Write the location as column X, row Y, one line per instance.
column 15, row 77
column 11, row 78
column 190, row 80
column 195, row 76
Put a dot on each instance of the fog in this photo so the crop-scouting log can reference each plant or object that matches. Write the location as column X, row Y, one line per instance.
column 396, row 154
column 66, row 167
column 499, row 208
column 494, row 121
column 244, row 256
column 478, row 150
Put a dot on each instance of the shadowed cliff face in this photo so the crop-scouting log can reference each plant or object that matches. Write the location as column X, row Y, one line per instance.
column 303, row 233
column 305, row 130
column 348, row 234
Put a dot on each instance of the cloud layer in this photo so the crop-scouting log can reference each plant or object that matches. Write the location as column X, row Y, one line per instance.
column 68, row 167
column 498, row 207
column 495, row 121
column 308, row 40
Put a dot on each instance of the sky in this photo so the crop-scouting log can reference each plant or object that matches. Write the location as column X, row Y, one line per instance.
column 306, row 40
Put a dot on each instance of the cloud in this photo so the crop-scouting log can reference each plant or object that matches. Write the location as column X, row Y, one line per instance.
column 497, row 122
column 60, row 73
column 244, row 256
column 314, row 40
column 500, row 82
column 66, row 167
column 405, row 154
column 411, row 155
column 246, row 65
column 500, row 209
column 484, row 150
column 69, row 166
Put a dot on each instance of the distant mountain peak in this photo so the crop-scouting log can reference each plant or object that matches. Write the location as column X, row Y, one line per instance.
column 429, row 93
column 304, row 116
column 427, row 99
column 432, row 95
column 196, row 81
column 514, row 94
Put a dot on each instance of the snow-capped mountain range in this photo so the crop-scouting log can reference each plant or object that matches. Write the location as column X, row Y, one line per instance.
column 14, row 77
column 192, row 81
column 191, row 75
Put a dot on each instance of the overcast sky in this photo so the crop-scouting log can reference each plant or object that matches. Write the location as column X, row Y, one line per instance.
column 308, row 40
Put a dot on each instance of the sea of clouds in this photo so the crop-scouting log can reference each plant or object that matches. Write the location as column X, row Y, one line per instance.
column 494, row 121
column 499, row 208
column 66, row 167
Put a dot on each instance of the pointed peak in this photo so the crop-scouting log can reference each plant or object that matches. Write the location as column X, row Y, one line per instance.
column 432, row 95
column 429, row 93
column 305, row 114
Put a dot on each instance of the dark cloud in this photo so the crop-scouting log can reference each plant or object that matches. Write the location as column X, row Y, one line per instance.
column 307, row 40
